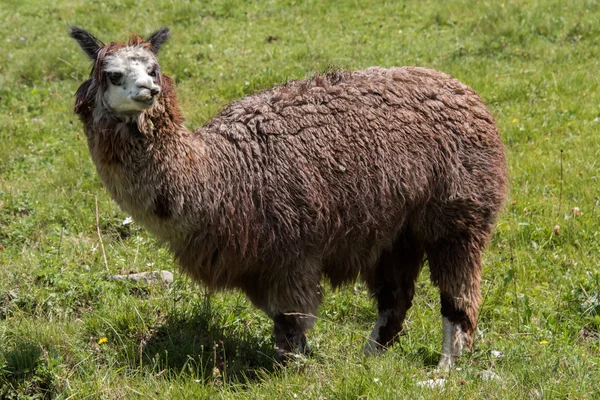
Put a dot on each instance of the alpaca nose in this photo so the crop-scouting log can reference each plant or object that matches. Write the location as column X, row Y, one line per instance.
column 149, row 85
column 154, row 90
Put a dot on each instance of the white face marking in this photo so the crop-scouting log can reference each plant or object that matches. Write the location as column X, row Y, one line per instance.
column 373, row 345
column 131, row 88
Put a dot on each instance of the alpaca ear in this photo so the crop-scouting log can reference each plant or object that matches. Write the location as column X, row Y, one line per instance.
column 158, row 38
column 88, row 43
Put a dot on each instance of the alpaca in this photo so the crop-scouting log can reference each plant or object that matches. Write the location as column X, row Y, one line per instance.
column 342, row 176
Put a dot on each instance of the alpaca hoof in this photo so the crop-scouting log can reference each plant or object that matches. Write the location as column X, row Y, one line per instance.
column 283, row 356
column 445, row 364
column 372, row 348
column 291, row 348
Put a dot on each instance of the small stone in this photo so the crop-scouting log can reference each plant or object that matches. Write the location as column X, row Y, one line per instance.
column 496, row 353
column 149, row 277
column 488, row 375
column 432, row 383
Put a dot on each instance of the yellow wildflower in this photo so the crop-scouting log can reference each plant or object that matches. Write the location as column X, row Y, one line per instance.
column 544, row 342
column 515, row 120
column 103, row 340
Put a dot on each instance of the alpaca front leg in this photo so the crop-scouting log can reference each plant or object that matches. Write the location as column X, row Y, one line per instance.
column 291, row 298
column 289, row 330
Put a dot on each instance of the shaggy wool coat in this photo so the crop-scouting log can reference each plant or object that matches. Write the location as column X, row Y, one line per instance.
column 309, row 179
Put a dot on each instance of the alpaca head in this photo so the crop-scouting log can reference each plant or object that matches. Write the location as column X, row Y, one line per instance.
column 125, row 77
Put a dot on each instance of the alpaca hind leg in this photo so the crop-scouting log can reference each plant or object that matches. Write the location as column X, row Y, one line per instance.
column 455, row 267
column 393, row 285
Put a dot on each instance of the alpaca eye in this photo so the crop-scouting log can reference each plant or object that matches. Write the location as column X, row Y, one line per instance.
column 115, row 77
column 153, row 72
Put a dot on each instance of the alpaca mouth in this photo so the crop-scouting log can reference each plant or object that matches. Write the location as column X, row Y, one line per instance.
column 147, row 100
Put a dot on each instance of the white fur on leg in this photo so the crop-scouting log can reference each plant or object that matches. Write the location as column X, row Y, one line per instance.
column 373, row 346
column 452, row 344
column 446, row 358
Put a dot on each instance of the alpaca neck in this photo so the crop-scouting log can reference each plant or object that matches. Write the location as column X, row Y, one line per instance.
column 150, row 163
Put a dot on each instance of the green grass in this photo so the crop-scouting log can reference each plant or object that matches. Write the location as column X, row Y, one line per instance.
column 536, row 65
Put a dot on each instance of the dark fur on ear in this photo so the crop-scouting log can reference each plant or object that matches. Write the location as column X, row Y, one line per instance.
column 88, row 43
column 158, row 38
column 84, row 99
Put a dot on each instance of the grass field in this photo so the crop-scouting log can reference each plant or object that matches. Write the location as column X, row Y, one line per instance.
column 66, row 331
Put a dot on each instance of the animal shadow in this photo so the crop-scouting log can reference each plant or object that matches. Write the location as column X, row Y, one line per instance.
column 208, row 349
column 23, row 372
column 429, row 357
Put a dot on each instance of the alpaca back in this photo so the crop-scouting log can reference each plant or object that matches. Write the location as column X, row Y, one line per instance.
column 336, row 165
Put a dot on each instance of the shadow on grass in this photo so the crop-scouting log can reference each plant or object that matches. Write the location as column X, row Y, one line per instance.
column 22, row 373
column 203, row 347
column 430, row 358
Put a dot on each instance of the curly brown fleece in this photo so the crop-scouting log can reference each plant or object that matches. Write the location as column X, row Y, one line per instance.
column 345, row 175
